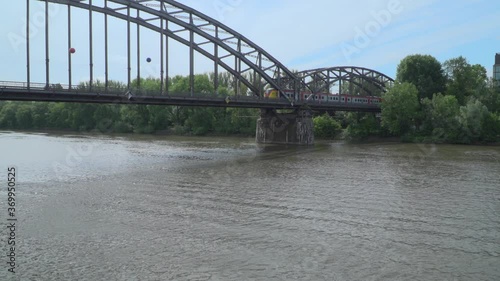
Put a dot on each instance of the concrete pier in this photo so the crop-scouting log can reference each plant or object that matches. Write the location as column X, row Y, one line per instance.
column 285, row 128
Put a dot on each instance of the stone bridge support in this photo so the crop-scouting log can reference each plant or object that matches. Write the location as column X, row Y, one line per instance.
column 285, row 128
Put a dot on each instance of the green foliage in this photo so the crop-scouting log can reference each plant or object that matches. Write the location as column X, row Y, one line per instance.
column 464, row 80
column 326, row 127
column 490, row 125
column 441, row 120
column 489, row 95
column 471, row 118
column 400, row 109
column 468, row 113
column 8, row 115
column 423, row 71
column 136, row 118
column 24, row 118
column 362, row 125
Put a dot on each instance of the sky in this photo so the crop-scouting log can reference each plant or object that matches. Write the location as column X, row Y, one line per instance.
column 303, row 35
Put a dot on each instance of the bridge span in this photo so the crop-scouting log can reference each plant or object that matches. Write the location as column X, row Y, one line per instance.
column 252, row 69
column 19, row 91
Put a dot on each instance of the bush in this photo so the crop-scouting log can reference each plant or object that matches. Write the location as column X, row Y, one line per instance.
column 326, row 127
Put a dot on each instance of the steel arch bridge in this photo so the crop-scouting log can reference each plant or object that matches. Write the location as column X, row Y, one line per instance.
column 321, row 79
column 228, row 49
column 231, row 52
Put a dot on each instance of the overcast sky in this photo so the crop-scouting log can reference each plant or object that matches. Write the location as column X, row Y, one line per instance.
column 302, row 34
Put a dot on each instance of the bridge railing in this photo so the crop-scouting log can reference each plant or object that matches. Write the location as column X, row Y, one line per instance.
column 60, row 89
column 134, row 91
column 17, row 85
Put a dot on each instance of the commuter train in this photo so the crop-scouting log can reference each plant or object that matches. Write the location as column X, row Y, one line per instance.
column 324, row 97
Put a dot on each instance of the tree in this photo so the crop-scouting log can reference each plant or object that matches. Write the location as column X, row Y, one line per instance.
column 8, row 115
column 362, row 125
column 39, row 113
column 423, row 71
column 490, row 126
column 24, row 119
column 490, row 96
column 464, row 80
column 472, row 117
column 326, row 127
column 442, row 118
column 400, row 108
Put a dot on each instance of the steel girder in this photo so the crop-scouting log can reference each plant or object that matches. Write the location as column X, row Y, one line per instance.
column 359, row 76
column 227, row 45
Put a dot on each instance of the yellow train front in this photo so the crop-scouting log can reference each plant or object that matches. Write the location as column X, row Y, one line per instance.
column 272, row 94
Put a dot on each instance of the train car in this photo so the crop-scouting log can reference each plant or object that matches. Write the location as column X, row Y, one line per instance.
column 324, row 97
column 271, row 94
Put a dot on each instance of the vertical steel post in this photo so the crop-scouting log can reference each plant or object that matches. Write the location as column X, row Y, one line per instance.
column 28, row 43
column 328, row 84
column 91, row 53
column 138, row 52
column 191, row 56
column 238, row 69
column 166, row 58
column 260, row 77
column 69, row 46
column 47, row 67
column 254, row 82
column 106, row 66
column 279, row 80
column 129, row 69
column 161, row 50
column 216, row 63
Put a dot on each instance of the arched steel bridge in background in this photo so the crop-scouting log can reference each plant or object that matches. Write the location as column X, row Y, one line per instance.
column 370, row 81
column 248, row 63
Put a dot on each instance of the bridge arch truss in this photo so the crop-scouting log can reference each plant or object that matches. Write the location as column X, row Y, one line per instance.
column 234, row 53
column 368, row 80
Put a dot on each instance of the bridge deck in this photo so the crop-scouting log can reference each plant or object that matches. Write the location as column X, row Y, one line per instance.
column 18, row 91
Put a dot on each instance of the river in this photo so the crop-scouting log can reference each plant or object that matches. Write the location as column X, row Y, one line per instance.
column 92, row 207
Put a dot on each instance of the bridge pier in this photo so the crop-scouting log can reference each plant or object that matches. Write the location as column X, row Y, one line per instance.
column 285, row 128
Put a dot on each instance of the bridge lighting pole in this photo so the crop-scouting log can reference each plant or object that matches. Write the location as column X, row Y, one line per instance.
column 28, row 43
